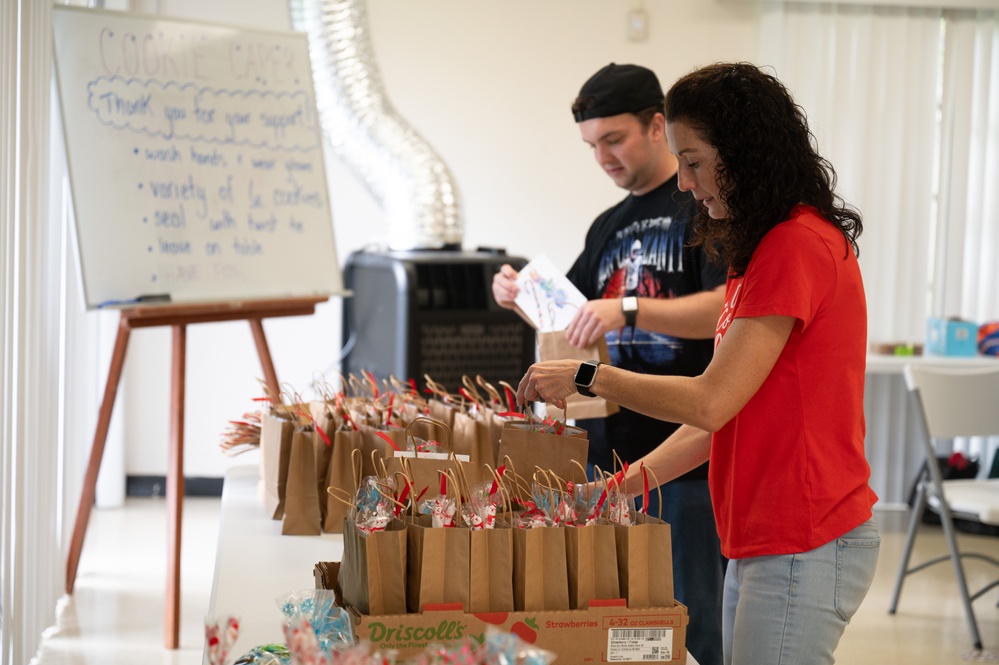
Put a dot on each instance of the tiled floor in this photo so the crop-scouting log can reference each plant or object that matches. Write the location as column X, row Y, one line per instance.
column 116, row 615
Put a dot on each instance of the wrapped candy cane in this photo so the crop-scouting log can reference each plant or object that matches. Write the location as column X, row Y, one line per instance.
column 373, row 509
column 549, row 498
column 303, row 646
column 220, row 638
column 317, row 607
column 441, row 508
column 482, row 505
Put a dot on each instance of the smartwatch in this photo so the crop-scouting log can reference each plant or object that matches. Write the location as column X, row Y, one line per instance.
column 629, row 306
column 585, row 376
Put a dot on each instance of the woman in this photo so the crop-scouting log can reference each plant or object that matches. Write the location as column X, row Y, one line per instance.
column 779, row 410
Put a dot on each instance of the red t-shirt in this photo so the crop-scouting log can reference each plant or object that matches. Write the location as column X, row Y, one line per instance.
column 788, row 472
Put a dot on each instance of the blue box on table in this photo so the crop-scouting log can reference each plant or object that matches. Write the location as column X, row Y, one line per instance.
column 951, row 337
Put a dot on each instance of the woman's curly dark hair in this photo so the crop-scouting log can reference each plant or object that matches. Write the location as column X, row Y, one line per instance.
column 768, row 162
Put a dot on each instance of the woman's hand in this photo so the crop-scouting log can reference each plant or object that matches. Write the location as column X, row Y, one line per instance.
column 551, row 381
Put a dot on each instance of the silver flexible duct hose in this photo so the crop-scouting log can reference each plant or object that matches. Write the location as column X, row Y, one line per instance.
column 399, row 168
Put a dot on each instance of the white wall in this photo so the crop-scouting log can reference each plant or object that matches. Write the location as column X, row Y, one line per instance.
column 489, row 85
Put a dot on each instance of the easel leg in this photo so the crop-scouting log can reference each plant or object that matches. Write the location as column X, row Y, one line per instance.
column 175, row 487
column 96, row 454
column 270, row 376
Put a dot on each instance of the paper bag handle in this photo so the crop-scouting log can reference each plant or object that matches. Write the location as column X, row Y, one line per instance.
column 444, row 430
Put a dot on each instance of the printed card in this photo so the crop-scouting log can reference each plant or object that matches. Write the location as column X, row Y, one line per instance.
column 546, row 296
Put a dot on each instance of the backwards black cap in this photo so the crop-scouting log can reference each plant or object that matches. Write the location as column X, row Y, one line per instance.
column 618, row 89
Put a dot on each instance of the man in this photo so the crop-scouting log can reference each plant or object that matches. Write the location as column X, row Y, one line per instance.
column 656, row 301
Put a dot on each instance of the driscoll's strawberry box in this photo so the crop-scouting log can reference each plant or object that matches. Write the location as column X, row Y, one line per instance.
column 606, row 632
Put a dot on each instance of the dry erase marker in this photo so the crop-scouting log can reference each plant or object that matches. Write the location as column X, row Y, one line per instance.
column 139, row 300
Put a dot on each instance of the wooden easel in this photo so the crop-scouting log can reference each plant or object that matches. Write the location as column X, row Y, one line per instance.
column 178, row 317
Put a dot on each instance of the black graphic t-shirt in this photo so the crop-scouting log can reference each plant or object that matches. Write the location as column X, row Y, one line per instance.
column 639, row 248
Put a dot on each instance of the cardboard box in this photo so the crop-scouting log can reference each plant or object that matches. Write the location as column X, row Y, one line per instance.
column 951, row 337
column 606, row 632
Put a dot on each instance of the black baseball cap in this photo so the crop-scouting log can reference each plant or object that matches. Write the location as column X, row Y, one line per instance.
column 618, row 89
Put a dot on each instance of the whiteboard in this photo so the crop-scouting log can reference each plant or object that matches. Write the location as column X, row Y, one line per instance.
column 195, row 160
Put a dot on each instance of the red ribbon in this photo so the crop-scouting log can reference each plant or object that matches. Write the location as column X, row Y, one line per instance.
column 495, row 485
column 388, row 418
column 645, row 489
column 530, row 505
column 600, row 503
column 402, row 499
column 316, row 427
column 619, row 476
column 510, row 398
column 388, row 439
column 346, row 415
column 371, row 379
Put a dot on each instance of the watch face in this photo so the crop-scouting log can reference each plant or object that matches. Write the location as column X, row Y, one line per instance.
column 585, row 374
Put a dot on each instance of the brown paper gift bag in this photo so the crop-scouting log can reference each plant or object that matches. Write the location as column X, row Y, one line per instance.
column 275, row 453
column 528, row 449
column 380, row 444
column 322, row 449
column 437, row 568
column 326, row 423
column 490, row 569
column 553, row 346
column 494, row 424
column 645, row 562
column 484, row 435
column 411, row 411
column 441, row 411
column 441, row 405
column 540, row 579
column 591, row 556
column 471, row 437
column 343, row 476
column 423, row 469
column 372, row 575
column 490, row 565
column 302, row 515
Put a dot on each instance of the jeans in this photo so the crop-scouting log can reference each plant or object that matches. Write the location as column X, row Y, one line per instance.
column 792, row 609
column 698, row 566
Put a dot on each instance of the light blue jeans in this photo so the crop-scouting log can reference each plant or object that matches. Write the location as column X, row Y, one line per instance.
column 792, row 609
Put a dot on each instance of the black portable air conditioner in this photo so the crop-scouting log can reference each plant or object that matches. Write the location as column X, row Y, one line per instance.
column 432, row 313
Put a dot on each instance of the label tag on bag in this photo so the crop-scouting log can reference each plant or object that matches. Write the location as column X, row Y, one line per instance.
column 437, row 456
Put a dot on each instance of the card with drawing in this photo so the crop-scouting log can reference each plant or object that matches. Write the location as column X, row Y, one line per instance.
column 546, row 296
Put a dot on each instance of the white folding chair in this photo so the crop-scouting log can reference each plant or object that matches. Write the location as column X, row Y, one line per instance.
column 952, row 402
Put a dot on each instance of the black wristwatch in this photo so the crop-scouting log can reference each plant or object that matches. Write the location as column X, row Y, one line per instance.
column 629, row 306
column 585, row 376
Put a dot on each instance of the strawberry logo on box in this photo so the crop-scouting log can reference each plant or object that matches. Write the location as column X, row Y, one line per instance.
column 494, row 618
column 526, row 630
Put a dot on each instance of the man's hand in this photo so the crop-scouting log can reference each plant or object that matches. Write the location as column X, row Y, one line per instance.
column 550, row 381
column 593, row 320
column 505, row 286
